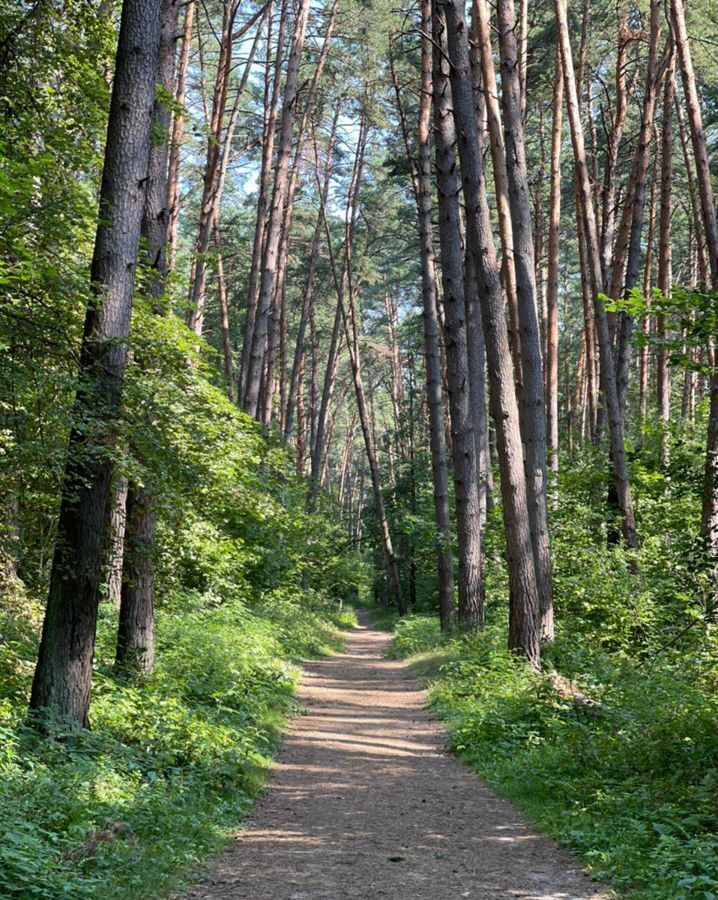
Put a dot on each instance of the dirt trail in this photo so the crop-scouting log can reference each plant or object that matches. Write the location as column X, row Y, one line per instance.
column 366, row 802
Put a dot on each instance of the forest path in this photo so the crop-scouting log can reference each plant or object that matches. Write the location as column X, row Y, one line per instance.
column 366, row 802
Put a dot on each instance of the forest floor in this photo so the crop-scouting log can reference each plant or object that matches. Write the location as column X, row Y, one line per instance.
column 366, row 801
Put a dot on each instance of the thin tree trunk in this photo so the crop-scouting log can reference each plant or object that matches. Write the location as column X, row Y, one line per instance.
column 709, row 513
column 644, row 356
column 608, row 381
column 665, row 273
column 309, row 282
column 271, row 105
column 270, row 259
column 64, row 668
column 173, row 179
column 524, row 630
column 421, row 177
column 554, row 222
column 194, row 317
column 283, row 254
column 637, row 192
column 351, row 334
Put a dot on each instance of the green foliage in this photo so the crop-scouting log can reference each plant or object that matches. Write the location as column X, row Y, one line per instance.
column 172, row 762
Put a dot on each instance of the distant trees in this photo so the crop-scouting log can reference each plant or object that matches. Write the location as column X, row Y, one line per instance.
column 359, row 228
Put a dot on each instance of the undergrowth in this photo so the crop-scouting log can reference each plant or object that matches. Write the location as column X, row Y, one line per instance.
column 629, row 785
column 172, row 762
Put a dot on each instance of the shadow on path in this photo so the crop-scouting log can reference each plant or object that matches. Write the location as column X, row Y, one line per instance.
column 366, row 802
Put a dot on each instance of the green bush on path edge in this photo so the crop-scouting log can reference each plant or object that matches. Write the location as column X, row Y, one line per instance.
column 172, row 763
column 631, row 787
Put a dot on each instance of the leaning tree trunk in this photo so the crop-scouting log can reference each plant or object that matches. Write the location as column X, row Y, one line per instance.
column 463, row 445
column 64, row 668
column 524, row 629
column 532, row 411
column 590, row 232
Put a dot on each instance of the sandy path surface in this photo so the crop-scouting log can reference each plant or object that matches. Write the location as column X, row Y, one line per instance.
column 365, row 801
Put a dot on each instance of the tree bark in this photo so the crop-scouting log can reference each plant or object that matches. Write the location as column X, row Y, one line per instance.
column 421, row 179
column 637, row 192
column 554, row 222
column 173, row 181
column 665, row 271
column 135, row 636
column 524, row 630
column 608, row 381
column 64, row 668
column 271, row 105
column 465, row 461
column 270, row 259
column 709, row 512
column 532, row 410
column 482, row 39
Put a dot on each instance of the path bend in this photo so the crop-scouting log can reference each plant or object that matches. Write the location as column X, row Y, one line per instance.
column 365, row 801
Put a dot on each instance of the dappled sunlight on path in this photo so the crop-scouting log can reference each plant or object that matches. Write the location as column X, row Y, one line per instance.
column 365, row 801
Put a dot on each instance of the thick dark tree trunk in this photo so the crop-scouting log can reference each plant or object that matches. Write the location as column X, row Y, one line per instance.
column 463, row 445
column 532, row 410
column 64, row 668
column 135, row 637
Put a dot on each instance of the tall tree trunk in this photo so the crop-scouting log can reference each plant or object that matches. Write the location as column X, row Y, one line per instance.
column 637, row 192
column 309, row 283
column 421, row 178
column 64, row 668
column 268, row 282
column 173, row 178
column 278, row 318
column 351, row 334
column 482, row 39
column 644, row 356
column 613, row 141
column 194, row 317
column 271, row 106
column 554, row 222
column 524, row 629
column 532, row 411
column 135, row 635
column 465, row 460
column 709, row 513
column 665, row 273
column 608, row 381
